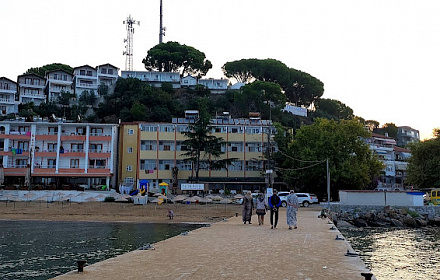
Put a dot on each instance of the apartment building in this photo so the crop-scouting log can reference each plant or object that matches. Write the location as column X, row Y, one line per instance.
column 58, row 153
column 153, row 152
column 58, row 81
column 406, row 135
column 85, row 79
column 8, row 94
column 31, row 89
column 394, row 158
column 154, row 78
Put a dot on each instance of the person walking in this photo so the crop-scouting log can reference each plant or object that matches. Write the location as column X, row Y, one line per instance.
column 260, row 206
column 248, row 206
column 274, row 204
column 292, row 209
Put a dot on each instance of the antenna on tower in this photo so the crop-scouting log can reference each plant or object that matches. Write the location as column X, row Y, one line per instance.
column 162, row 29
column 129, row 42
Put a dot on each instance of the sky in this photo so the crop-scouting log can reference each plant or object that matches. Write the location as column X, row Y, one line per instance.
column 381, row 58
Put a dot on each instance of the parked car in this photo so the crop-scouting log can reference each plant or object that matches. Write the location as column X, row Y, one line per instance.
column 304, row 199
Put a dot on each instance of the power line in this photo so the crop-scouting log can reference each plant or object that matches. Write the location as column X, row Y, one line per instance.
column 300, row 168
column 300, row 160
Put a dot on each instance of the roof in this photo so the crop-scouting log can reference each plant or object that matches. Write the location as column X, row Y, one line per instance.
column 31, row 74
column 85, row 66
column 57, row 70
column 399, row 149
column 107, row 64
column 8, row 79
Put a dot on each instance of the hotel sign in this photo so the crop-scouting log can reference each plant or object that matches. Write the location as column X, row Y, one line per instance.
column 192, row 187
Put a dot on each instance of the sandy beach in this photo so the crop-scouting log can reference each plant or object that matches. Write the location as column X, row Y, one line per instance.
column 117, row 212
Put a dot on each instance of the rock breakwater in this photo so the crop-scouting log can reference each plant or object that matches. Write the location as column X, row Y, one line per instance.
column 384, row 216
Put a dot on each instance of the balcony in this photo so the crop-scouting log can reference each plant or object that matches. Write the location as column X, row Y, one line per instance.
column 6, row 101
column 33, row 95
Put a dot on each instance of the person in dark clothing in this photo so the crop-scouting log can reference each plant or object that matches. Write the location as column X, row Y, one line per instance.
column 274, row 204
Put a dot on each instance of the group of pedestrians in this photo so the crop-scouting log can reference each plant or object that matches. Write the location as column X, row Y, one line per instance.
column 273, row 205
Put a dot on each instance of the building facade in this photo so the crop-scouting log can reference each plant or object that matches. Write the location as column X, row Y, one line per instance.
column 8, row 95
column 394, row 158
column 57, row 154
column 57, row 82
column 154, row 152
column 31, row 89
column 406, row 135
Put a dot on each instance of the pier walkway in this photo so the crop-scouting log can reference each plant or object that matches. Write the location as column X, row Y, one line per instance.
column 232, row 250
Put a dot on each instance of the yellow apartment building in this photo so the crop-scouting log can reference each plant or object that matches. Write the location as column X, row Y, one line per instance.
column 154, row 152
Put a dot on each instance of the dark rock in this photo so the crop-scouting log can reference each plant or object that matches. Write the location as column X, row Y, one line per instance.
column 360, row 223
column 421, row 222
column 435, row 221
column 344, row 224
column 409, row 221
column 396, row 223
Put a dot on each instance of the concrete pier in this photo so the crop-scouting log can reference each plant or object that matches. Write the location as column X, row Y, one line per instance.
column 232, row 250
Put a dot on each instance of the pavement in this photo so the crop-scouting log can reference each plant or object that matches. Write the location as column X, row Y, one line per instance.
column 232, row 250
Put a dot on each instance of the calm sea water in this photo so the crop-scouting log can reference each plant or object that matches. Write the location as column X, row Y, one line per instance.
column 409, row 254
column 41, row 250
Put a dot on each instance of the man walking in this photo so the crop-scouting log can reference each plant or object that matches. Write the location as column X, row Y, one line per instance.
column 274, row 204
column 292, row 209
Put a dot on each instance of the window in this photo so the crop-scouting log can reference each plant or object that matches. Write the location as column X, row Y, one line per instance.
column 23, row 145
column 129, row 181
column 51, row 163
column 149, row 128
column 129, row 168
column 89, row 73
column 51, row 147
column 55, row 76
column 166, row 145
column 23, row 129
column 77, row 147
column 235, row 147
column 74, row 163
column 165, row 164
column 20, row 163
column 52, row 130
column 28, row 81
column 80, row 131
column 130, row 132
column 184, row 165
column 236, row 166
column 96, row 131
column 182, row 128
column 148, row 145
column 97, row 163
column 82, row 72
column 96, row 148
column 148, row 165
column 253, row 147
column 103, row 71
column 130, row 150
column 254, row 165
column 110, row 71
column 166, row 128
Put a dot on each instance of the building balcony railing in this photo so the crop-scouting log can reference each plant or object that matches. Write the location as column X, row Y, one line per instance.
column 83, row 85
column 6, row 100
column 33, row 95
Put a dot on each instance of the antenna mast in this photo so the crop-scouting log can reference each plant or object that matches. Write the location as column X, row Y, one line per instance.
column 161, row 28
column 129, row 43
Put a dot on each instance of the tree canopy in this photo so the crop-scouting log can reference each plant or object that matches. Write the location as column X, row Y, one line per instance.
column 333, row 109
column 351, row 162
column 173, row 57
column 424, row 163
column 300, row 87
column 204, row 147
column 388, row 128
column 41, row 71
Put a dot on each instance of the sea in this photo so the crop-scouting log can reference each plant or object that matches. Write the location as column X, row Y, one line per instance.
column 391, row 254
column 45, row 249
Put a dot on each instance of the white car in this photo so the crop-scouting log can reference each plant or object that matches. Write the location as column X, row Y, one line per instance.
column 304, row 199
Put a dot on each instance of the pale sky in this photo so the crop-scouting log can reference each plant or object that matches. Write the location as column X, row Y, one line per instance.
column 381, row 58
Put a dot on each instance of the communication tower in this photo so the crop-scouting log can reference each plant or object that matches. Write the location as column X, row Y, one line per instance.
column 129, row 42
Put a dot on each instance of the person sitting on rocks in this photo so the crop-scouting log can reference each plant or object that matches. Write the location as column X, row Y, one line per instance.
column 170, row 214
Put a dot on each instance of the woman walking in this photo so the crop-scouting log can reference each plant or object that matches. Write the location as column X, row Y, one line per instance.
column 292, row 208
column 248, row 206
column 260, row 207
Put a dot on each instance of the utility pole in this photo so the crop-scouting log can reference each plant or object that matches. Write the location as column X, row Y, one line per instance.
column 328, row 185
column 162, row 29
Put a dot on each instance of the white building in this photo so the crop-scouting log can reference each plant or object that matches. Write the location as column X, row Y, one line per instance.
column 8, row 93
column 154, row 78
column 85, row 79
column 58, row 81
column 31, row 89
column 58, row 153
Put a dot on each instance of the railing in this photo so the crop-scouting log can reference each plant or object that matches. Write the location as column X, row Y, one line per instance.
column 88, row 85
